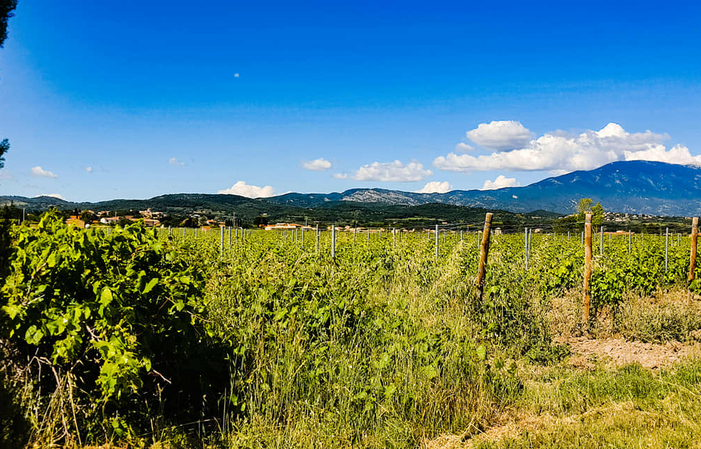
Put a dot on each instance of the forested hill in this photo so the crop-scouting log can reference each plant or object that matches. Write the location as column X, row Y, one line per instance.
column 637, row 187
column 342, row 212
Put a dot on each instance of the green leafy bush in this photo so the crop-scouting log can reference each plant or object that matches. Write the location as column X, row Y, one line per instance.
column 117, row 317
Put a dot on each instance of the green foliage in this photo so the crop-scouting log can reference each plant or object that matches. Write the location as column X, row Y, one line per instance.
column 87, row 216
column 597, row 215
column 119, row 314
column 584, row 206
column 4, row 146
column 384, row 343
column 6, row 8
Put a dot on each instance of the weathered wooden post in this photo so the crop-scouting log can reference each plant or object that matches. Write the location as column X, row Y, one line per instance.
column 221, row 242
column 666, row 248
column 484, row 254
column 436, row 241
column 587, row 267
column 525, row 245
column 317, row 239
column 694, row 238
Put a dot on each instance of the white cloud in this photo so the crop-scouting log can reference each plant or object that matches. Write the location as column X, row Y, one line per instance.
column 320, row 164
column 236, row 75
column 175, row 161
column 52, row 195
column 463, row 148
column 392, row 172
column 499, row 183
column 41, row 173
column 88, row 169
column 436, row 187
column 500, row 135
column 340, row 175
column 250, row 191
column 559, row 152
column 678, row 154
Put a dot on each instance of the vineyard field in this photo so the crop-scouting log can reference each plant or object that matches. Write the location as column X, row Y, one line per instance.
column 252, row 338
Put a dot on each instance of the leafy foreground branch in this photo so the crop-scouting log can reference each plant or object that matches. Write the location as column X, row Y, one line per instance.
column 96, row 328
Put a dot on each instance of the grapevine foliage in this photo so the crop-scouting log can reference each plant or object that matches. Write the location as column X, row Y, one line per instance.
column 120, row 313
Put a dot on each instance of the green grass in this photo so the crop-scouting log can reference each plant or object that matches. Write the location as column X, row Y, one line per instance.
column 623, row 408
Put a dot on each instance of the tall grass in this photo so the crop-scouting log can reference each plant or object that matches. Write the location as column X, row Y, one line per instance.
column 381, row 347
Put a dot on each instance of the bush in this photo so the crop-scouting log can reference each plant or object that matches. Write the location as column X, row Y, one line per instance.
column 113, row 322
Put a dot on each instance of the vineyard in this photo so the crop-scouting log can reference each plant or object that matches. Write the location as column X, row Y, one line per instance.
column 249, row 338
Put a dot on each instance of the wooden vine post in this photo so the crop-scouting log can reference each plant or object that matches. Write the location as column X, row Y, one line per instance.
column 587, row 268
column 484, row 254
column 692, row 262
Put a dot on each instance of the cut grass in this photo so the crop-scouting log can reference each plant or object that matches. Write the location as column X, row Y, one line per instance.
column 627, row 407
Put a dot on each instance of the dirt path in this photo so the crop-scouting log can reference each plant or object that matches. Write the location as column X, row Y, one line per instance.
column 618, row 352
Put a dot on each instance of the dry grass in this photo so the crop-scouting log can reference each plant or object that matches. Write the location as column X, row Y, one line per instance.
column 633, row 380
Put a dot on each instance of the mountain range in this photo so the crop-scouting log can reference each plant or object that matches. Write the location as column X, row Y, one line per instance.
column 636, row 187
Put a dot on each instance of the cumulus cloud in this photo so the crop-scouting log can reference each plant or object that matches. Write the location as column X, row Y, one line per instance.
column 52, row 195
column 340, row 175
column 499, row 183
column 678, row 154
column 436, row 187
column 236, row 75
column 250, row 191
column 88, row 169
column 500, row 135
column 175, row 161
column 463, row 148
column 320, row 164
column 392, row 172
column 41, row 173
column 560, row 152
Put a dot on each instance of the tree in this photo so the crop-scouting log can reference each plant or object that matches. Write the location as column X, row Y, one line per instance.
column 583, row 207
column 123, row 222
column 597, row 212
column 189, row 222
column 6, row 8
column 260, row 221
column 4, row 148
column 87, row 216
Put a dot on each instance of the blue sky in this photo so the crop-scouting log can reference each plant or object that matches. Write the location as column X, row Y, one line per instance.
column 127, row 99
